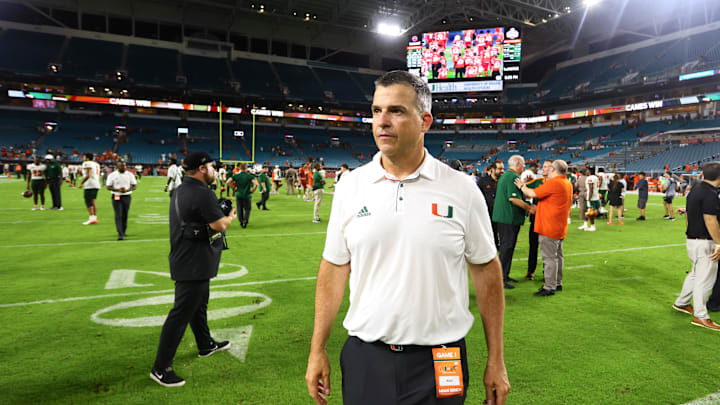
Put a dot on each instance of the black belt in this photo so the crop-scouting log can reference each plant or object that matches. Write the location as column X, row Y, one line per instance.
column 411, row 348
column 699, row 238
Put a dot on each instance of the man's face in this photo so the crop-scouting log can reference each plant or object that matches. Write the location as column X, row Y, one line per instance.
column 499, row 170
column 121, row 167
column 546, row 169
column 398, row 127
column 209, row 172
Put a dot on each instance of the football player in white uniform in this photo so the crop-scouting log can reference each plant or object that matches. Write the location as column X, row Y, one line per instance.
column 36, row 181
column 91, row 185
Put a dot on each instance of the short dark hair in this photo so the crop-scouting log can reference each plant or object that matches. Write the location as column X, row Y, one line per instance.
column 423, row 98
column 669, row 173
column 345, row 165
column 642, row 174
column 601, row 170
column 89, row 156
column 711, row 171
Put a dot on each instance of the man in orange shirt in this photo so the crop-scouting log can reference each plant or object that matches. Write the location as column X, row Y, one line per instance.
column 555, row 199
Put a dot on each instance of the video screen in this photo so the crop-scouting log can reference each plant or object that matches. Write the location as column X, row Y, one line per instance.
column 466, row 60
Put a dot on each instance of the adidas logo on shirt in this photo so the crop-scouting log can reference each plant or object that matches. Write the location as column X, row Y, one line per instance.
column 363, row 213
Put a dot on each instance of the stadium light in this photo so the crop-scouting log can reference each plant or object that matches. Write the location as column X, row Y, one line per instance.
column 590, row 3
column 390, row 29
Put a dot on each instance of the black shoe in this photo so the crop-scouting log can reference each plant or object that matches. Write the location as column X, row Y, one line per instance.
column 558, row 288
column 257, row 205
column 512, row 279
column 508, row 286
column 544, row 293
column 216, row 347
column 530, row 276
column 166, row 378
column 265, row 209
column 120, row 237
column 666, row 217
column 640, row 218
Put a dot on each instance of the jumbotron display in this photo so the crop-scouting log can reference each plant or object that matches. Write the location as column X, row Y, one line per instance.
column 466, row 60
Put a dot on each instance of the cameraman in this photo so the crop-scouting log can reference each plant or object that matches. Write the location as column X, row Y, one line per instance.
column 196, row 242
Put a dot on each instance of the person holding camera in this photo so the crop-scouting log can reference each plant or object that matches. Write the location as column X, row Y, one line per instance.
column 197, row 226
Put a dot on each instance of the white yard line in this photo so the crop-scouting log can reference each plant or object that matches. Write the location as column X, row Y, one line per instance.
column 712, row 399
column 93, row 297
column 266, row 235
column 597, row 252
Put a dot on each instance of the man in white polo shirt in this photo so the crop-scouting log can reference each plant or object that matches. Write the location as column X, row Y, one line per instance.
column 121, row 183
column 90, row 184
column 404, row 229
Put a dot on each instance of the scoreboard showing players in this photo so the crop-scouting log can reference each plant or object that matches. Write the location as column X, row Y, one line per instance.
column 473, row 60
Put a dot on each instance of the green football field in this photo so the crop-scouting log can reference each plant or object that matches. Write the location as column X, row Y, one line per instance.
column 74, row 302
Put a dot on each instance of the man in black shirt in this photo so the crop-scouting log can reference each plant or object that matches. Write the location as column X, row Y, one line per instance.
column 488, row 186
column 703, row 246
column 642, row 189
column 196, row 242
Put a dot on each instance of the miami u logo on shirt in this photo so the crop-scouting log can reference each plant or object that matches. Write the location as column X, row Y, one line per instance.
column 449, row 211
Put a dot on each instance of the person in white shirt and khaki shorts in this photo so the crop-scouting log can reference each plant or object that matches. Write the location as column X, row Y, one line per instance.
column 404, row 229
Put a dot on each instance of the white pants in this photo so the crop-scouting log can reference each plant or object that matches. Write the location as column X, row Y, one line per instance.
column 699, row 282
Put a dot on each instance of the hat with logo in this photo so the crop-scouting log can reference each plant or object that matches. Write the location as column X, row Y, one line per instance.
column 196, row 159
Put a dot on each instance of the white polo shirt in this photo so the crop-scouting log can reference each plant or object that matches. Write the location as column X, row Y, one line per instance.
column 407, row 243
column 121, row 180
column 593, row 179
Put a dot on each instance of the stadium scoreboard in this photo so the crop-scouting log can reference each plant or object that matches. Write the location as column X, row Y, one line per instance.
column 471, row 60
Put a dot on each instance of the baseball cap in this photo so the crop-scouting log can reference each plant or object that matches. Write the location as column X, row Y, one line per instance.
column 195, row 159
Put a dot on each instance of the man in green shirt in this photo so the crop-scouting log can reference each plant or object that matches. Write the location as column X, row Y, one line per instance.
column 245, row 185
column 318, row 190
column 509, row 213
column 264, row 189
column 53, row 176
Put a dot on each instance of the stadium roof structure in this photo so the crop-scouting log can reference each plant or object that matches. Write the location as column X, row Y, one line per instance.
column 343, row 25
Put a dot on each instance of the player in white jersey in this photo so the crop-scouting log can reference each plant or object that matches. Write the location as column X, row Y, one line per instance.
column 65, row 173
column 593, row 199
column 604, row 179
column 220, row 177
column 91, row 185
column 174, row 175
column 36, row 180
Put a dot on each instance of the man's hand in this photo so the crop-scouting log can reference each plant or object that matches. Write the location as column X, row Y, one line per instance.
column 496, row 382
column 681, row 210
column 166, row 189
column 317, row 377
column 519, row 182
column 533, row 209
column 715, row 256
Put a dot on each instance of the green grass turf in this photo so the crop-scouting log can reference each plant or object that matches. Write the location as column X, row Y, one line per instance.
column 609, row 338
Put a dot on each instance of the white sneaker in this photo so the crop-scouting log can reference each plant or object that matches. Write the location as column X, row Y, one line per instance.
column 35, row 208
column 583, row 228
column 591, row 229
column 60, row 209
column 42, row 208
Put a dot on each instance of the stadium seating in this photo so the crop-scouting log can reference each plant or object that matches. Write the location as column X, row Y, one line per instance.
column 206, row 73
column 28, row 52
column 300, row 82
column 255, row 78
column 365, row 81
column 342, row 86
column 91, row 59
column 152, row 66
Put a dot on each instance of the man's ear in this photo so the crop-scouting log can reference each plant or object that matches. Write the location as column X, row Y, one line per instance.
column 427, row 121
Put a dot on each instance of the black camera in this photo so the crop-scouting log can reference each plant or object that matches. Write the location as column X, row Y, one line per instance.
column 225, row 206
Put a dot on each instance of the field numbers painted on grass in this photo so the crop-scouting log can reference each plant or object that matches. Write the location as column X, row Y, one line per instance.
column 261, row 301
column 124, row 278
column 240, row 337
column 152, row 219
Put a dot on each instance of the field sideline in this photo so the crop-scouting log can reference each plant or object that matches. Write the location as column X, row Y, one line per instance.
column 74, row 300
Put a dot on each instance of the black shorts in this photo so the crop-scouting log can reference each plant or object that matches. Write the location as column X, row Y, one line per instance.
column 668, row 199
column 616, row 201
column 642, row 203
column 374, row 374
column 37, row 186
column 90, row 195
